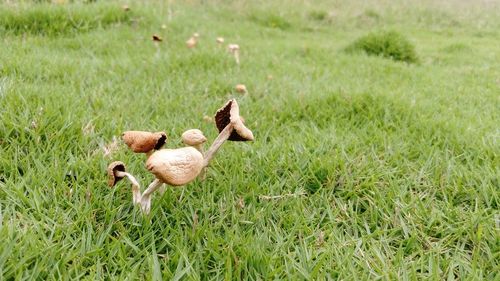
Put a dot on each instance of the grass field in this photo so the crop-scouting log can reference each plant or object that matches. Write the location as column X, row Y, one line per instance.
column 383, row 169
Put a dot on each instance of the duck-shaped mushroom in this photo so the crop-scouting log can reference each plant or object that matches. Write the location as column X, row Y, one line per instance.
column 174, row 167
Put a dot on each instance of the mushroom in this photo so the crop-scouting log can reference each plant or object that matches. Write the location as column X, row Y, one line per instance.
column 230, row 126
column 208, row 119
column 180, row 166
column 144, row 142
column 240, row 88
column 219, row 40
column 235, row 50
column 194, row 138
column 174, row 167
column 116, row 172
column 192, row 41
column 126, row 8
column 157, row 38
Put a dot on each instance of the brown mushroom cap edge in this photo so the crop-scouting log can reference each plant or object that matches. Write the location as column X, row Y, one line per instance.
column 143, row 142
column 230, row 113
column 113, row 168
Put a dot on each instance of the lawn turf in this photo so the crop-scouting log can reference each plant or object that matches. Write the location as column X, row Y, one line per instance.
column 386, row 170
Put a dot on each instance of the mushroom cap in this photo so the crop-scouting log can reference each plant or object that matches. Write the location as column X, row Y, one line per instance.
column 191, row 42
column 176, row 166
column 220, row 40
column 233, row 47
column 196, row 35
column 240, row 88
column 230, row 113
column 114, row 167
column 193, row 137
column 157, row 38
column 142, row 142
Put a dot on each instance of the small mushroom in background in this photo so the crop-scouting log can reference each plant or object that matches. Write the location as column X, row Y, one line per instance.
column 235, row 50
column 240, row 88
column 163, row 26
column 230, row 126
column 192, row 41
column 144, row 142
column 208, row 119
column 219, row 40
column 157, row 38
column 116, row 172
column 126, row 8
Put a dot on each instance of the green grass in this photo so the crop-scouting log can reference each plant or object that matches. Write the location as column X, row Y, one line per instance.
column 394, row 167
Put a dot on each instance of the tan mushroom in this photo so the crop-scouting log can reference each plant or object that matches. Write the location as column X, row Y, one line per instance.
column 240, row 88
column 173, row 167
column 117, row 171
column 194, row 138
column 144, row 142
column 230, row 126
column 235, row 50
column 192, row 41
column 219, row 40
column 180, row 166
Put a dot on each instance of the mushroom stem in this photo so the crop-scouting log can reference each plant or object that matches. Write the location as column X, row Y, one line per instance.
column 221, row 138
column 136, row 189
column 157, row 46
column 237, row 57
column 146, row 195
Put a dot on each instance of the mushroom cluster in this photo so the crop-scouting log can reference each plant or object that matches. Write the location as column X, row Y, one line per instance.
column 179, row 166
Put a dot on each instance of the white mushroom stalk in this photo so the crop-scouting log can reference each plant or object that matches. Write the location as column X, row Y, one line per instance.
column 231, row 127
column 145, row 201
column 235, row 50
column 136, row 188
column 116, row 172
